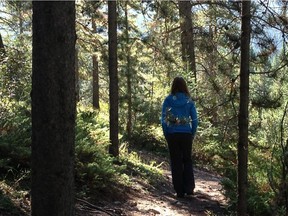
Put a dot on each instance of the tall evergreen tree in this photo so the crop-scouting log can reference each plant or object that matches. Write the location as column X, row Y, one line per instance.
column 95, row 69
column 113, row 76
column 187, row 36
column 243, row 110
column 53, row 108
column 95, row 79
column 128, row 72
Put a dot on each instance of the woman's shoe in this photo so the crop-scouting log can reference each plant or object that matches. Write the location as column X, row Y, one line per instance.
column 180, row 195
column 190, row 193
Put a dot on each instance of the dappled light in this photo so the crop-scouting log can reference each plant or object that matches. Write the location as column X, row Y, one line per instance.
column 107, row 107
column 160, row 199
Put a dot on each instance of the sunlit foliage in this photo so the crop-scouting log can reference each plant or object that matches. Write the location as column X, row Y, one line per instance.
column 153, row 51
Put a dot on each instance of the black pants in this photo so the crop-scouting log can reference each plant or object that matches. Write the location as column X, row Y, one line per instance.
column 180, row 148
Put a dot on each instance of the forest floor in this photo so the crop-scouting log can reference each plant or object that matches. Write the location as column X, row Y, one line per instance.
column 144, row 199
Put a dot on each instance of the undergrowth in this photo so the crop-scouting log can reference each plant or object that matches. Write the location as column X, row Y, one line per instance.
column 95, row 170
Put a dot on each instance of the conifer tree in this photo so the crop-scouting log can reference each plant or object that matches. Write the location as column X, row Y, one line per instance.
column 53, row 108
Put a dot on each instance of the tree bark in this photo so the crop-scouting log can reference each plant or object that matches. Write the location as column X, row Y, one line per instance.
column 77, row 86
column 2, row 48
column 128, row 75
column 113, row 75
column 96, row 104
column 243, row 110
column 95, row 94
column 187, row 36
column 53, row 108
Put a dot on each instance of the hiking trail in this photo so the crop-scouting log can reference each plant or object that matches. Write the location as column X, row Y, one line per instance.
column 147, row 200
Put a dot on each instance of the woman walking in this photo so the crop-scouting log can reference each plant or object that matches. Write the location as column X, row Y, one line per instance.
column 179, row 123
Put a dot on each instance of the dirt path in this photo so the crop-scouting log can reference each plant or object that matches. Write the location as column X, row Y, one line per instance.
column 207, row 199
column 144, row 200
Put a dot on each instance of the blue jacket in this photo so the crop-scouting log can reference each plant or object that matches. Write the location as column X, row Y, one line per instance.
column 179, row 114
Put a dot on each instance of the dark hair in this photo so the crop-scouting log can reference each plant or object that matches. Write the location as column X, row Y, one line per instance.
column 179, row 85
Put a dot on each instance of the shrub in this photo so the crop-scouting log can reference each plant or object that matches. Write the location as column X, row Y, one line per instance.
column 15, row 136
column 94, row 166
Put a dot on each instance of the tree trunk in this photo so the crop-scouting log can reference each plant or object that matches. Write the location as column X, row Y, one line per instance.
column 96, row 104
column 243, row 110
column 2, row 48
column 283, row 189
column 128, row 76
column 77, row 87
column 19, row 7
column 187, row 36
column 53, row 108
column 113, row 76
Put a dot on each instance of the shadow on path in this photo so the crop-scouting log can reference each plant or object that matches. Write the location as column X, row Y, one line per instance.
column 144, row 199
